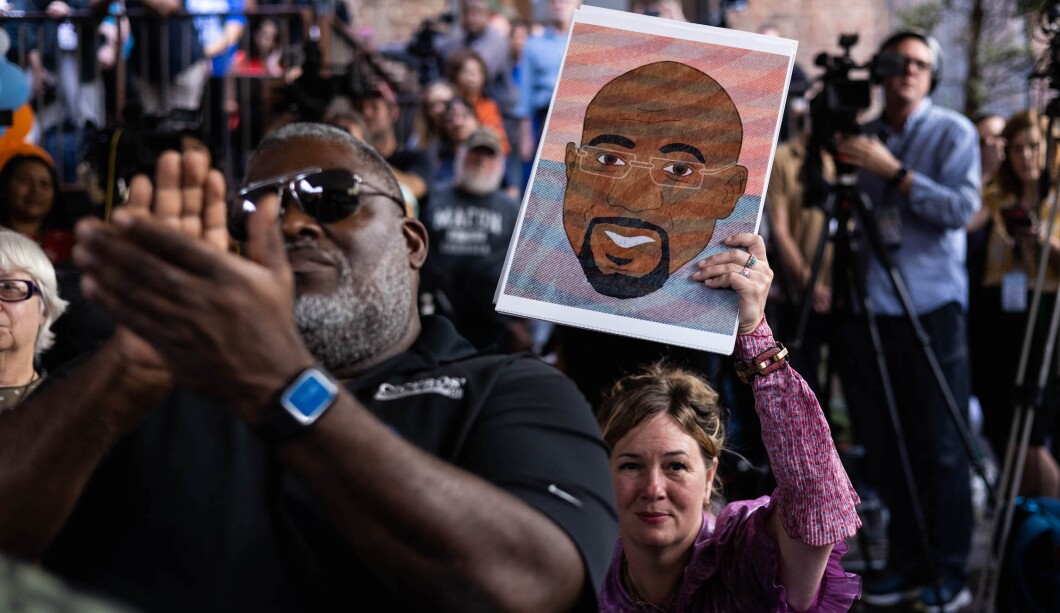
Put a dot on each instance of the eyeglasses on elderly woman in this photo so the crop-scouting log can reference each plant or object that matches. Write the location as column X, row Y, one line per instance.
column 17, row 290
column 325, row 195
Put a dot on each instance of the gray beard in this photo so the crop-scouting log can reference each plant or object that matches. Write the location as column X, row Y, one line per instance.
column 359, row 319
column 481, row 182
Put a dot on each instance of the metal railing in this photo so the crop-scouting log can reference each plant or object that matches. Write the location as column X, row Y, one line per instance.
column 90, row 73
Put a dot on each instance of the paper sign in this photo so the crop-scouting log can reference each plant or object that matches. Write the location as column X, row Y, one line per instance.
column 657, row 146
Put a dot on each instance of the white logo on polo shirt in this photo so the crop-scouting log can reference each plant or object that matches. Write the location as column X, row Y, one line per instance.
column 450, row 387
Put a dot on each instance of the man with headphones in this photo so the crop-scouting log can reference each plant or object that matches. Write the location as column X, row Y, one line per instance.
column 919, row 166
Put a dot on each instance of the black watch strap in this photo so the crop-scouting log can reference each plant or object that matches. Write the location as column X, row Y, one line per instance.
column 899, row 176
column 298, row 406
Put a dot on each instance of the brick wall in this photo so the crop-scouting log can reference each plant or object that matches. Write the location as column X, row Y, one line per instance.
column 817, row 24
column 394, row 20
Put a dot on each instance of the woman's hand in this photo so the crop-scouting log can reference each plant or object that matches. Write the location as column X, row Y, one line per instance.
column 745, row 270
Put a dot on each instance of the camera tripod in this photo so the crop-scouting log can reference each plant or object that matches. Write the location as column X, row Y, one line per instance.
column 851, row 226
column 1027, row 400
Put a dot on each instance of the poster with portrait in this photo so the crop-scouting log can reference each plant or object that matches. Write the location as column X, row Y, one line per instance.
column 657, row 146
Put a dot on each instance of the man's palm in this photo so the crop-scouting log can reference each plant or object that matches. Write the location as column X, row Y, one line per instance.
column 189, row 196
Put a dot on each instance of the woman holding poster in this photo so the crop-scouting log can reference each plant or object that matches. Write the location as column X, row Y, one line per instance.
column 665, row 429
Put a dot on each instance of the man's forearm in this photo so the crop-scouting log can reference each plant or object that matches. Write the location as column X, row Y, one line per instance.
column 791, row 255
column 232, row 32
column 951, row 197
column 441, row 534
column 54, row 440
column 949, row 208
column 164, row 8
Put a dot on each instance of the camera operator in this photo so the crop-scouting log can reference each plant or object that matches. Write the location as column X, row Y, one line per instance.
column 920, row 168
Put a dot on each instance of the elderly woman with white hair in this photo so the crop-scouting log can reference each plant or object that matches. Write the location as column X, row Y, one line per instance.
column 29, row 305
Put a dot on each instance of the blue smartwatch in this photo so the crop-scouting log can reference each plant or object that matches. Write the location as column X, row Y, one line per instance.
column 299, row 406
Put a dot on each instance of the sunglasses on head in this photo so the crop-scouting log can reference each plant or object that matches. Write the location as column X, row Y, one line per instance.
column 327, row 196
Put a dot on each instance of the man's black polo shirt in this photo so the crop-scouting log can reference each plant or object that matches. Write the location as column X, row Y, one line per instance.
column 192, row 513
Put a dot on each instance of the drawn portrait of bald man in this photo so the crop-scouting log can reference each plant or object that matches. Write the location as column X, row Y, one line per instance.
column 656, row 150
column 656, row 169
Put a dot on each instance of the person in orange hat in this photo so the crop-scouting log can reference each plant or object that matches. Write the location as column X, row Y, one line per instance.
column 29, row 200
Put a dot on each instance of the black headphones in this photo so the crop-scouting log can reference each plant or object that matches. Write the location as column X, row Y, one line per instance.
column 887, row 63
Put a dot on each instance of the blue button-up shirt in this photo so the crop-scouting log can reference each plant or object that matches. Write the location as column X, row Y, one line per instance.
column 941, row 148
column 539, row 70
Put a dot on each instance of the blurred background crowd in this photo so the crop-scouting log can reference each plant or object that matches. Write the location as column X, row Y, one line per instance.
column 454, row 95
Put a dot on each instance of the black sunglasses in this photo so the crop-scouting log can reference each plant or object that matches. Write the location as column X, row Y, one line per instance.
column 325, row 195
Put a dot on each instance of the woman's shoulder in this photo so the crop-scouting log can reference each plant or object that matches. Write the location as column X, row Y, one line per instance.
column 995, row 197
column 735, row 518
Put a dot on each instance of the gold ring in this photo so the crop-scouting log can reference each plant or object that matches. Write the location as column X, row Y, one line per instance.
column 751, row 261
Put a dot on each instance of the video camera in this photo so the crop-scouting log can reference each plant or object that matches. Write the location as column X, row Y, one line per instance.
column 834, row 110
column 836, row 107
column 423, row 41
column 424, row 45
column 309, row 95
column 117, row 154
column 1048, row 64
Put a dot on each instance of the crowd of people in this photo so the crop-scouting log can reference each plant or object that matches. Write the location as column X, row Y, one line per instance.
column 244, row 414
column 959, row 217
column 344, row 448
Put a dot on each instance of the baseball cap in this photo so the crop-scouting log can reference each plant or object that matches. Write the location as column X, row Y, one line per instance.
column 484, row 138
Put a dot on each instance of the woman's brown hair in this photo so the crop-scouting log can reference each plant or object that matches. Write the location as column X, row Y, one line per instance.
column 664, row 389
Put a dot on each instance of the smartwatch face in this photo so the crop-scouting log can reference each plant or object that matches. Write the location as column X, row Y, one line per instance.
column 308, row 397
